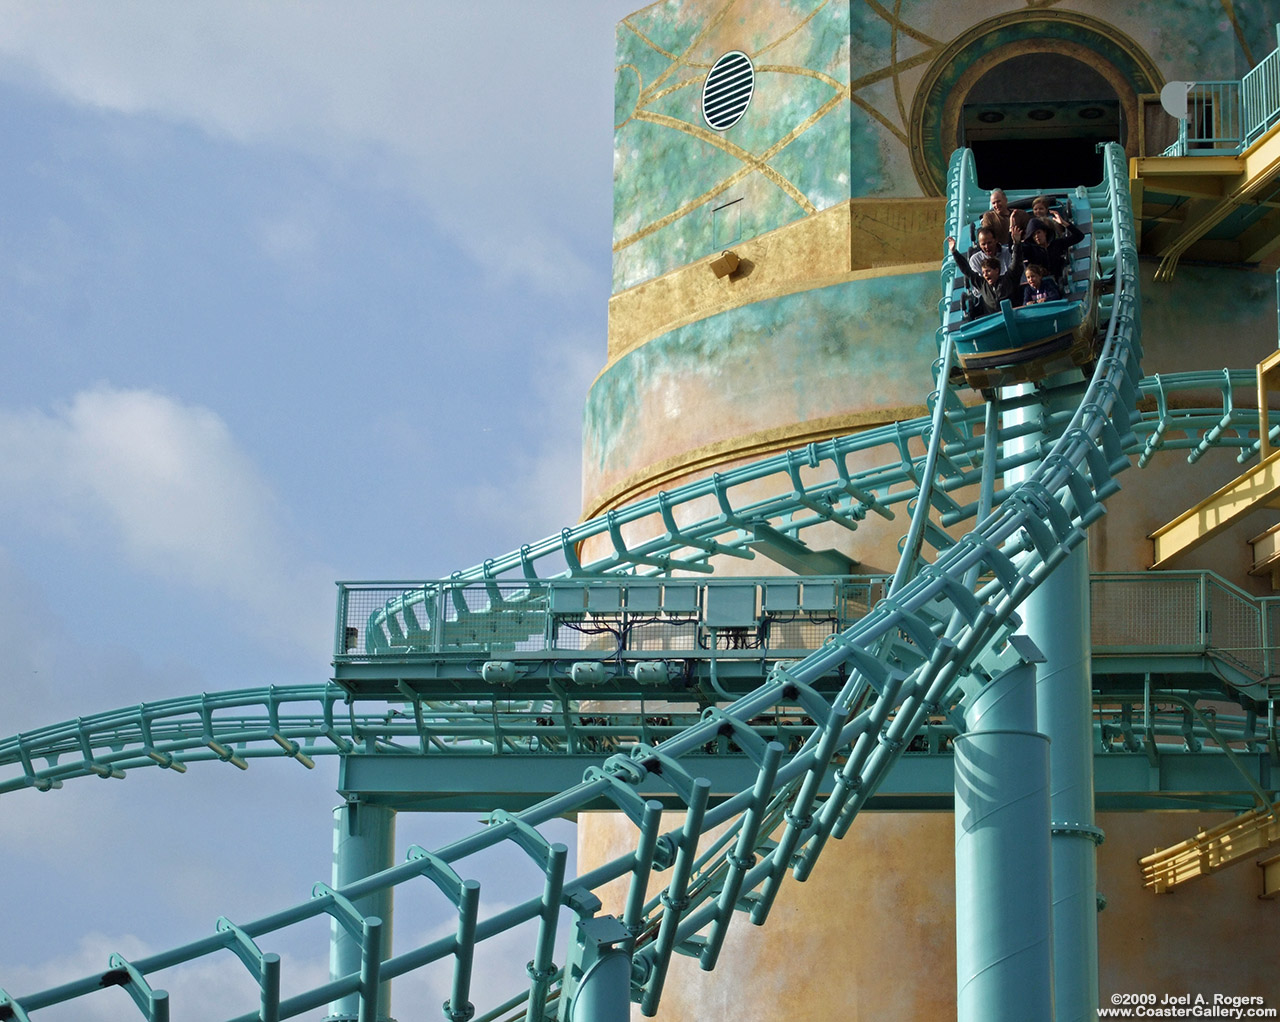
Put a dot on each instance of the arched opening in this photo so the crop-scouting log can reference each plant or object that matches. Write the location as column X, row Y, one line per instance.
column 1032, row 93
column 1036, row 119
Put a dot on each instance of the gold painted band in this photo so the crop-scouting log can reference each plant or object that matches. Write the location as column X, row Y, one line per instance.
column 855, row 240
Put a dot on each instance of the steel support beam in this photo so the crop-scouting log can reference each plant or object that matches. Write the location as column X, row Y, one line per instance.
column 920, row 782
column 364, row 838
column 598, row 982
column 1226, row 184
column 1056, row 618
column 1004, row 938
column 1270, row 877
column 1259, row 487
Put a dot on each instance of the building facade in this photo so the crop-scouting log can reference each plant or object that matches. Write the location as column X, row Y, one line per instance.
column 828, row 190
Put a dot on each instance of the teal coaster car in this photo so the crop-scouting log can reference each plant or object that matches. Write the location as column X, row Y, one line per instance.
column 1028, row 343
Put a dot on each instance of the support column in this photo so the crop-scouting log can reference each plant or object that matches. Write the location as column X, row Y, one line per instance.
column 364, row 839
column 1004, row 942
column 597, row 986
column 1056, row 617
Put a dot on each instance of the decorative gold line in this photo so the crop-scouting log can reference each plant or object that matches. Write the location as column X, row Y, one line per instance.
column 750, row 163
column 804, row 72
column 802, row 127
column 896, row 22
column 798, row 26
column 1229, row 7
column 651, row 93
column 753, row 445
column 639, row 81
column 646, row 40
column 669, row 90
column 898, row 133
column 687, row 208
column 681, row 60
column 753, row 163
column 698, row 132
column 893, row 61
column 881, row 74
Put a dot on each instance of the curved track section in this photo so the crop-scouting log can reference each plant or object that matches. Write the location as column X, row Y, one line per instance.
column 944, row 631
column 307, row 722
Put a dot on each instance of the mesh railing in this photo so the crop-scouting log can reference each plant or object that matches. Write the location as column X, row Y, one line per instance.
column 1145, row 613
column 613, row 616
column 1164, row 613
column 1235, row 627
column 1184, row 612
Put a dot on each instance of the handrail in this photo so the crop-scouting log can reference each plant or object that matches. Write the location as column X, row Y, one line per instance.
column 237, row 727
column 1225, row 118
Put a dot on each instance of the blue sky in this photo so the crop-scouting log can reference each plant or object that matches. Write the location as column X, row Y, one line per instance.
column 290, row 292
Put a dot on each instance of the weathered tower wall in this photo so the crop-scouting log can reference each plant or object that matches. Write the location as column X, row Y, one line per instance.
column 829, row 190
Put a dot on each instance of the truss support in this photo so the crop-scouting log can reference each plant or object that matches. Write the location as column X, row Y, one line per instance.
column 1239, row 838
column 364, row 838
column 1004, row 941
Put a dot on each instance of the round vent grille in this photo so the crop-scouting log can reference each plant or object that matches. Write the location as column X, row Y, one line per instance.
column 727, row 90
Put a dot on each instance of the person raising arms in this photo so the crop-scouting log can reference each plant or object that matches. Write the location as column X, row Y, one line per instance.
column 991, row 285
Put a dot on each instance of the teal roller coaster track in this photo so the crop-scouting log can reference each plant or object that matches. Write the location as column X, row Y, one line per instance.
column 485, row 663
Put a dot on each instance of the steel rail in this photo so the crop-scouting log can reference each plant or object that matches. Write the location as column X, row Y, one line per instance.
column 907, row 661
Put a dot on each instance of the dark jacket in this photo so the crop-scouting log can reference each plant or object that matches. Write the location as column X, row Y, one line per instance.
column 1053, row 257
column 1006, row 287
column 1047, row 292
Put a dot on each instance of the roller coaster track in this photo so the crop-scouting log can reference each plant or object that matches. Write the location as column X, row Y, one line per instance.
column 307, row 722
column 944, row 630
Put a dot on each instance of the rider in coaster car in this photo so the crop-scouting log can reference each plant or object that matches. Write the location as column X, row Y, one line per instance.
column 1038, row 287
column 1000, row 217
column 1048, row 249
column 992, row 286
column 989, row 247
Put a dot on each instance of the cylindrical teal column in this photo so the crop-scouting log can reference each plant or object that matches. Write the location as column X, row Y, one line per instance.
column 604, row 991
column 1004, row 942
column 1056, row 618
column 364, row 838
column 597, row 984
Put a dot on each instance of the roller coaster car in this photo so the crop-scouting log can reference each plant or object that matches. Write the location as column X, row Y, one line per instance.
column 1026, row 344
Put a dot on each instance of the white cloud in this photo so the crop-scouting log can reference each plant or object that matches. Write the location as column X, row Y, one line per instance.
column 419, row 94
column 292, row 235
column 167, row 485
column 544, row 493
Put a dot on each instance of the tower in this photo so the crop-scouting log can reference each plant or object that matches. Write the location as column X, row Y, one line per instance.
column 778, row 217
column 762, row 307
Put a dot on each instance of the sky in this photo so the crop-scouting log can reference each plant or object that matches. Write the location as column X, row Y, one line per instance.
column 290, row 293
